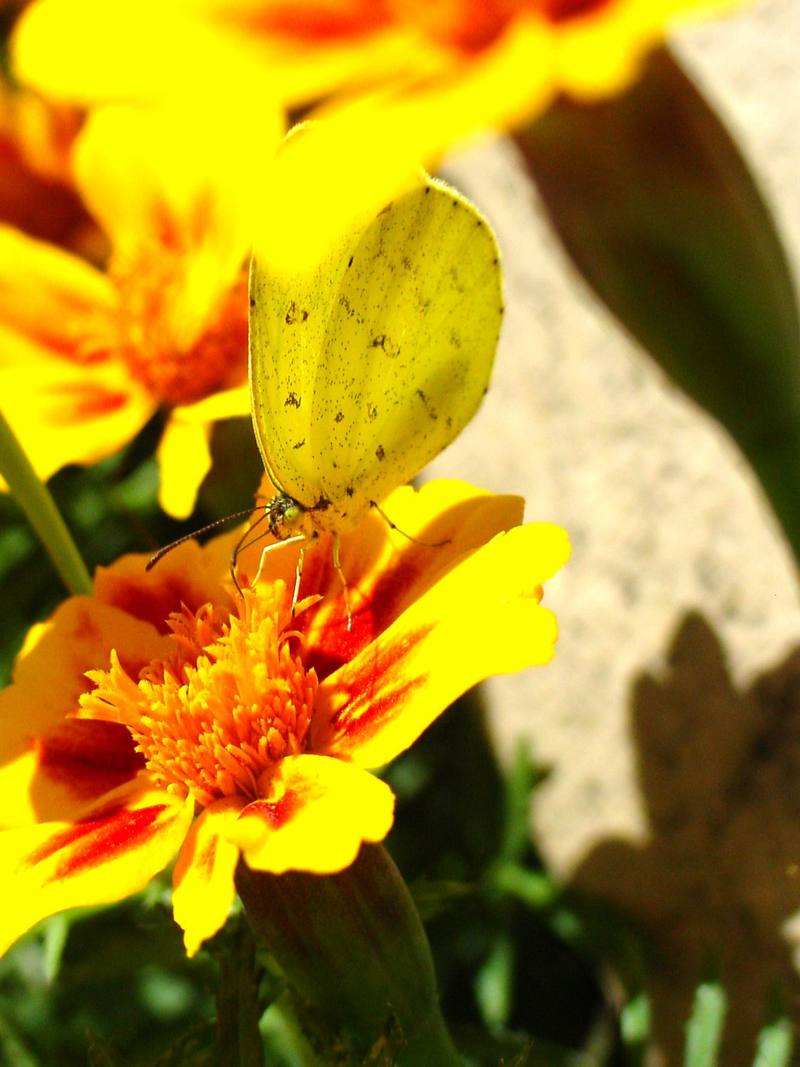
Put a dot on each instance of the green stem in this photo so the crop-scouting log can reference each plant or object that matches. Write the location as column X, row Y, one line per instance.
column 238, row 1007
column 35, row 500
column 353, row 949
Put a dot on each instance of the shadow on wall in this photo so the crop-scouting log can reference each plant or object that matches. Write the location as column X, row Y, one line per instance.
column 719, row 771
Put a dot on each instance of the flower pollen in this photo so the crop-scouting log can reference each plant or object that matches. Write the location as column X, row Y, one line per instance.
column 214, row 717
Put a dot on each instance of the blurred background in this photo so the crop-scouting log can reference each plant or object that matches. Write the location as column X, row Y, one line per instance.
column 670, row 718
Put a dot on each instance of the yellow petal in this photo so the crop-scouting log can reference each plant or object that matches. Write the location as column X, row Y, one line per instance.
column 203, row 889
column 112, row 852
column 56, row 299
column 178, row 172
column 52, row 767
column 184, row 459
column 92, row 52
column 184, row 453
column 318, row 813
column 481, row 619
column 387, row 569
column 187, row 575
column 68, row 412
column 601, row 53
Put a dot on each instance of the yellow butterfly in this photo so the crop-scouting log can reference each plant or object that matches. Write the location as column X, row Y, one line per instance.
column 365, row 367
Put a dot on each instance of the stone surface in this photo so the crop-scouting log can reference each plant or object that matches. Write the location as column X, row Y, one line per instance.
column 671, row 716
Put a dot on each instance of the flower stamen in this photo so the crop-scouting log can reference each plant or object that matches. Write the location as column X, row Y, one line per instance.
column 214, row 717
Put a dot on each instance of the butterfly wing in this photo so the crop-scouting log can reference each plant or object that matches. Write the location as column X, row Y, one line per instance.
column 366, row 368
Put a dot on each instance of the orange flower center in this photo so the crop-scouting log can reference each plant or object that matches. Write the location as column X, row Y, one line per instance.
column 214, row 717
column 162, row 344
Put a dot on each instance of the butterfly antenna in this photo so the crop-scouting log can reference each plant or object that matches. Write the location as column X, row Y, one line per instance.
column 408, row 537
column 195, row 533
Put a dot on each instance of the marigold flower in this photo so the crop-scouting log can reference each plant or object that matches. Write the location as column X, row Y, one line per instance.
column 432, row 73
column 88, row 354
column 166, row 714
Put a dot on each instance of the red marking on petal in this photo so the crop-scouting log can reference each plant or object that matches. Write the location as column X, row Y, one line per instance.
column 152, row 600
column 335, row 644
column 374, row 693
column 274, row 814
column 205, row 859
column 37, row 205
column 98, row 840
column 558, row 11
column 90, row 757
column 321, row 23
column 79, row 401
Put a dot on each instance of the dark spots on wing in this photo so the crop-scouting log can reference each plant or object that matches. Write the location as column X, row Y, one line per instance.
column 298, row 444
column 390, row 348
column 454, row 202
column 380, row 454
column 350, row 262
column 252, row 301
column 295, row 314
column 427, row 189
column 430, row 410
column 338, row 416
column 349, row 310
column 292, row 400
column 349, row 490
column 455, row 339
column 502, row 308
column 449, row 422
column 372, row 412
column 455, row 277
column 321, row 505
column 495, row 261
column 386, row 209
column 407, row 264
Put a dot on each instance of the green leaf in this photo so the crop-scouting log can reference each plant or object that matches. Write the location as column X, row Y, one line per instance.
column 12, row 1050
column 433, row 898
column 704, row 1030
column 494, row 983
column 660, row 213
column 635, row 1022
column 522, row 778
column 774, row 1044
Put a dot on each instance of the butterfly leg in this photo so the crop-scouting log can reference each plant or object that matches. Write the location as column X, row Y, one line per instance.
column 268, row 548
column 298, row 574
column 408, row 537
column 337, row 566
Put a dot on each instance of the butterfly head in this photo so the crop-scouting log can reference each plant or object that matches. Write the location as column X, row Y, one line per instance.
column 285, row 517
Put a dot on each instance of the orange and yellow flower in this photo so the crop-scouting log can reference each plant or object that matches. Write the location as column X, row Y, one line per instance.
column 90, row 353
column 430, row 74
column 167, row 715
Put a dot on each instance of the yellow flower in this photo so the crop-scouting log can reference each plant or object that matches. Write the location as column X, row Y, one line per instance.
column 88, row 354
column 166, row 715
column 431, row 73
